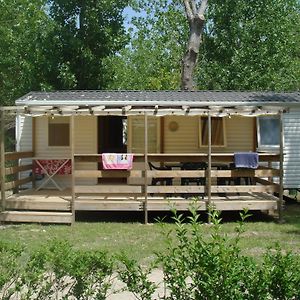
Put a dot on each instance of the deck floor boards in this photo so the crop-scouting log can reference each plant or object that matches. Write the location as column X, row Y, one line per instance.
column 59, row 201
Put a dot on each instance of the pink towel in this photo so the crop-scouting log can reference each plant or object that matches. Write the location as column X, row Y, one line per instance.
column 117, row 161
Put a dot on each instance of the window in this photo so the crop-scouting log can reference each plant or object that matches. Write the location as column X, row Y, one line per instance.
column 59, row 131
column 217, row 131
column 268, row 132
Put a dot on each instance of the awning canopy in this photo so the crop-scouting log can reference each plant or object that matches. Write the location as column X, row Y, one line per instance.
column 219, row 111
column 155, row 103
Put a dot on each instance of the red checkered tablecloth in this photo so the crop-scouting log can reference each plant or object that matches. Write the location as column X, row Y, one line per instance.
column 52, row 165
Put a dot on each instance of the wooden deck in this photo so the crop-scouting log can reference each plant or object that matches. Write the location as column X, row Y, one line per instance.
column 135, row 191
column 51, row 206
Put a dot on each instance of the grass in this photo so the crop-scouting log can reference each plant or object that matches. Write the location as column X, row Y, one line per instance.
column 142, row 241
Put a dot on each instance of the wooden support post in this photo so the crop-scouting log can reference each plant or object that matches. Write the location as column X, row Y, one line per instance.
column 33, row 150
column 271, row 179
column 72, row 143
column 162, row 134
column 2, row 154
column 146, row 168
column 280, row 201
column 209, row 168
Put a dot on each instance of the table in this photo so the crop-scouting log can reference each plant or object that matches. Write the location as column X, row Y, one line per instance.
column 50, row 168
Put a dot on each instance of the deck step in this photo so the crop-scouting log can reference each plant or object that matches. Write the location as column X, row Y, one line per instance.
column 34, row 203
column 36, row 217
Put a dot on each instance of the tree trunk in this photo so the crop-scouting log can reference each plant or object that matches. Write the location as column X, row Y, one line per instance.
column 196, row 23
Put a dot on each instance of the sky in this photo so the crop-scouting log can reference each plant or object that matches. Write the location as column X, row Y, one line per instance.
column 128, row 13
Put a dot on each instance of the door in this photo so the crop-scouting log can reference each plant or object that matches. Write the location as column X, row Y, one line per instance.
column 112, row 134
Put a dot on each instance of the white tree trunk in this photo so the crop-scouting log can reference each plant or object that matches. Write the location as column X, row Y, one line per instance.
column 196, row 23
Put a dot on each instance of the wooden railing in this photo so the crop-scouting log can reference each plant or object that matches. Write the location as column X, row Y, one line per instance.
column 106, row 188
column 262, row 178
column 216, row 179
column 135, row 180
column 10, row 170
column 218, row 160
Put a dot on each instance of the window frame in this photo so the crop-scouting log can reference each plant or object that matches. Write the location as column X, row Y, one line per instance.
column 224, row 133
column 66, row 120
column 261, row 146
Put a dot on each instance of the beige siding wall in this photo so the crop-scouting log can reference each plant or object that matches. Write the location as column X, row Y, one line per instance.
column 239, row 135
column 185, row 138
column 85, row 143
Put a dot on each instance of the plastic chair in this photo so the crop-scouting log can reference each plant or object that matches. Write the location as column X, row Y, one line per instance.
column 194, row 166
column 237, row 180
column 197, row 180
column 163, row 180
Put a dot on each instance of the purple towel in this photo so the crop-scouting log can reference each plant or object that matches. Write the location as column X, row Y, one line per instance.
column 246, row 160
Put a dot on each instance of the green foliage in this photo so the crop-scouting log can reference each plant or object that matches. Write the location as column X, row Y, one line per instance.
column 84, row 33
column 194, row 266
column 92, row 272
column 252, row 45
column 57, row 270
column 9, row 269
column 23, row 26
column 57, row 44
column 247, row 45
column 153, row 58
column 136, row 278
column 282, row 278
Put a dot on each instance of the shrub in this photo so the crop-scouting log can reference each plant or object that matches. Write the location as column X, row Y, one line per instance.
column 136, row 278
column 194, row 267
column 56, row 271
column 9, row 269
column 283, row 275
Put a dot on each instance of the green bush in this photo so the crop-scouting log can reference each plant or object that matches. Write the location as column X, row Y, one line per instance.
column 10, row 269
column 282, row 274
column 194, row 267
column 214, row 268
column 56, row 271
column 136, row 278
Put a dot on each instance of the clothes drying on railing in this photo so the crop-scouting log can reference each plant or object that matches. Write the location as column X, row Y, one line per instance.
column 248, row 160
column 117, row 161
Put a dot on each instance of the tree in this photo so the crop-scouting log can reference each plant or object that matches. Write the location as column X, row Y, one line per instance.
column 85, row 32
column 152, row 60
column 57, row 44
column 247, row 44
column 251, row 45
column 23, row 25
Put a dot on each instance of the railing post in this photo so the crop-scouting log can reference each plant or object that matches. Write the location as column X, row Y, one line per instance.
column 270, row 166
column 72, row 142
column 280, row 201
column 146, row 167
column 2, row 154
column 33, row 120
column 209, row 168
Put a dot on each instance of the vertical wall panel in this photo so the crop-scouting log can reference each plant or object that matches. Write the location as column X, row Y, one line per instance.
column 291, row 163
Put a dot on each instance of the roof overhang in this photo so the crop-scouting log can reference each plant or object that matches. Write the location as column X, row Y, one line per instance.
column 150, row 110
column 156, row 103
